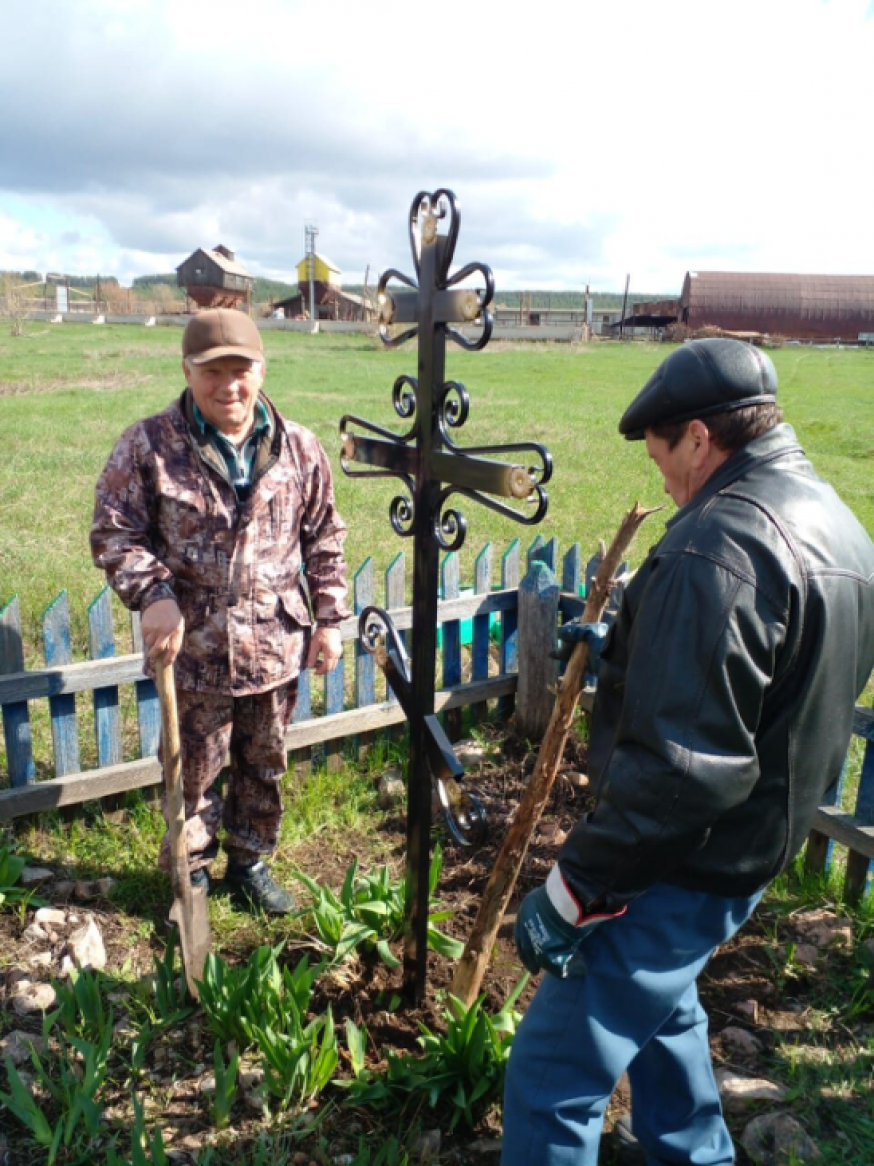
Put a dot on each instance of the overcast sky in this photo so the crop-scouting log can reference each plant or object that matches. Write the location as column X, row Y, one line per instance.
column 584, row 140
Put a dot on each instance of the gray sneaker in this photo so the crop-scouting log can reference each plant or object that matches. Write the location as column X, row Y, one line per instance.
column 254, row 886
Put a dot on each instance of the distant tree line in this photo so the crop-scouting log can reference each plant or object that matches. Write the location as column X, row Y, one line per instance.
column 162, row 287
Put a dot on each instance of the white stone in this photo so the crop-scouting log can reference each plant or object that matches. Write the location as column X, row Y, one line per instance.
column 748, row 1009
column 49, row 915
column 33, row 933
column 252, row 1077
column 34, row 876
column 484, row 1146
column 469, row 752
column 17, row 1046
column 86, row 948
column 427, row 1146
column 30, row 998
column 738, row 1040
column 576, row 779
column 777, row 1138
column 806, row 954
column 737, row 1091
column 822, row 928
column 392, row 791
column 42, row 959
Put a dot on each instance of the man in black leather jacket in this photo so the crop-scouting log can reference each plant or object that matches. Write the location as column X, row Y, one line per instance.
column 723, row 712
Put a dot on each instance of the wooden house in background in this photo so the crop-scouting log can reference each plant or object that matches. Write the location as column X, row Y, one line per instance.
column 331, row 302
column 215, row 279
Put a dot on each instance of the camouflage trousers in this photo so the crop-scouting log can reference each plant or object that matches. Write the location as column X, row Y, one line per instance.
column 250, row 731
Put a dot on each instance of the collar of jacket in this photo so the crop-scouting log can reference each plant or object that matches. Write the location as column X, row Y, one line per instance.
column 776, row 443
column 269, row 443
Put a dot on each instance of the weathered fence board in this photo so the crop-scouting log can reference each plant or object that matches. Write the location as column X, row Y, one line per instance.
column 58, row 649
column 148, row 705
column 538, row 615
column 107, row 719
column 508, row 654
column 450, row 588
column 855, row 831
column 572, row 570
column 481, row 626
column 16, row 717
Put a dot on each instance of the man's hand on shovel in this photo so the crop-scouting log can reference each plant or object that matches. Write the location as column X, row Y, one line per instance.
column 162, row 626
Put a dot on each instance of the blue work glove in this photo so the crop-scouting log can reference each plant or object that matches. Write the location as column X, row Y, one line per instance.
column 550, row 926
column 573, row 633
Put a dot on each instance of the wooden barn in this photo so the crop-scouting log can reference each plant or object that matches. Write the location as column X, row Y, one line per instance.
column 215, row 279
column 331, row 302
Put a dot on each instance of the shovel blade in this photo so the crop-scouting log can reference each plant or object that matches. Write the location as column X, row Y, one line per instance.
column 191, row 916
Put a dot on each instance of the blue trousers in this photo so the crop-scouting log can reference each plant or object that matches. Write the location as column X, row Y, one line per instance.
column 636, row 1010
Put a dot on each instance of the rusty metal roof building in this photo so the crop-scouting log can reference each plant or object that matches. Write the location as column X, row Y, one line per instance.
column 801, row 307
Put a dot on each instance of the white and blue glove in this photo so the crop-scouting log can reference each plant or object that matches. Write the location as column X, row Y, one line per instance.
column 551, row 926
column 573, row 633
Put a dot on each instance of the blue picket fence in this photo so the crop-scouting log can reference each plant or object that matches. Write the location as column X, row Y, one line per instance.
column 479, row 657
column 478, row 625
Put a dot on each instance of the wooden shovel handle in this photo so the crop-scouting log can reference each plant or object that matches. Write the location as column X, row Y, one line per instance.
column 171, row 755
column 171, row 747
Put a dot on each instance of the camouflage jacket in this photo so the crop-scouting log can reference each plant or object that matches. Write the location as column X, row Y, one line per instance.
column 168, row 524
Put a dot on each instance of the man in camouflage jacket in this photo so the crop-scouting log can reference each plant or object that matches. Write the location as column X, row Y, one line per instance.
column 209, row 516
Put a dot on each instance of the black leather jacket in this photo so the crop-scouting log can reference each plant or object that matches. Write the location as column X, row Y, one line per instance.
column 727, row 684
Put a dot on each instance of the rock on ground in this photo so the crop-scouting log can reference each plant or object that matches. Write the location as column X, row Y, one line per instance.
column 777, row 1139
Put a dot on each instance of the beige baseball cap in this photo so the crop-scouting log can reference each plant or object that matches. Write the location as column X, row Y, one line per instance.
column 219, row 332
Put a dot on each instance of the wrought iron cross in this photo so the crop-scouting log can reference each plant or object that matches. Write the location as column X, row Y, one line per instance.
column 432, row 468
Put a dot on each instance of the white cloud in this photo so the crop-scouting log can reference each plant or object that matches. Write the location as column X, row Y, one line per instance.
column 583, row 141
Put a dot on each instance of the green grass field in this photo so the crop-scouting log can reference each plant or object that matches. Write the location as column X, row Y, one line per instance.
column 65, row 395
column 67, row 392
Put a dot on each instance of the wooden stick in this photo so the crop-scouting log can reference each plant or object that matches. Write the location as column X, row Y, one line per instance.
column 499, row 889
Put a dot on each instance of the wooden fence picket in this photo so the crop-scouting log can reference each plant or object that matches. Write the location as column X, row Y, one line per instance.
column 572, row 570
column 58, row 649
column 148, row 705
column 538, row 615
column 363, row 595
column 107, row 719
column 335, row 696
column 450, row 588
column 508, row 654
column 303, row 710
column 395, row 597
column 481, row 630
column 859, row 864
column 16, row 717
column 534, row 550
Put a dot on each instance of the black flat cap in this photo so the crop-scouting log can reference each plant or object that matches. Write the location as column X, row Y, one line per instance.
column 701, row 378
